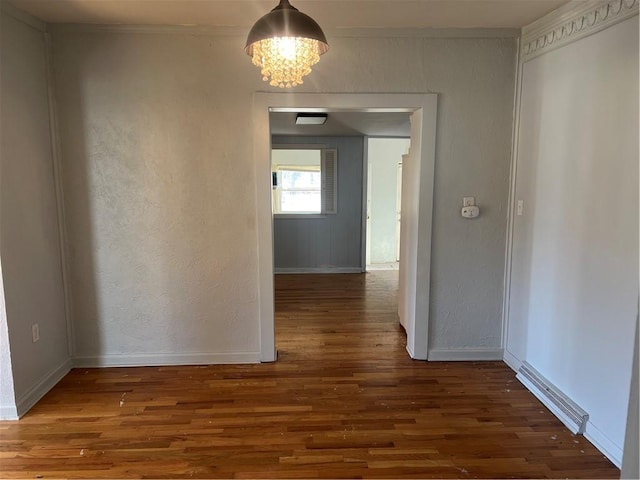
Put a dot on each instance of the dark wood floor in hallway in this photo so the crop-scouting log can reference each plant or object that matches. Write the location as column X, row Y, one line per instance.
column 343, row 401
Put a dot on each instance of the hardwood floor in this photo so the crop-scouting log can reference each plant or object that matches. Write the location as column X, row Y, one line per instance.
column 342, row 401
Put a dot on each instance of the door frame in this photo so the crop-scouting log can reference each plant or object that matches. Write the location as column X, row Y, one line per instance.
column 423, row 110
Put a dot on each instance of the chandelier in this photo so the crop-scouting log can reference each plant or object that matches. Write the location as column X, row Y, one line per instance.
column 285, row 44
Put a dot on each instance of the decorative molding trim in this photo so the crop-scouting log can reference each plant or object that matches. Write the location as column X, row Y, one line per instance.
column 41, row 387
column 603, row 443
column 572, row 22
column 285, row 271
column 165, row 359
column 465, row 355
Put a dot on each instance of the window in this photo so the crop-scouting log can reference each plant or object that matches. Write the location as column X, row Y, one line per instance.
column 304, row 181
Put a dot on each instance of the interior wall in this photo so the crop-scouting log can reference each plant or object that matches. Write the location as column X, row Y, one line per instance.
column 329, row 242
column 160, row 189
column 29, row 234
column 574, row 280
column 384, row 155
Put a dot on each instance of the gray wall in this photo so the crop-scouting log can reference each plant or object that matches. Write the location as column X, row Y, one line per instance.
column 574, row 281
column 29, row 235
column 160, row 188
column 332, row 242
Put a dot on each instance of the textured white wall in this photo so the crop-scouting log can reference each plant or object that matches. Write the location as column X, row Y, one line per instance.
column 160, row 193
column 574, row 291
column 384, row 156
column 29, row 236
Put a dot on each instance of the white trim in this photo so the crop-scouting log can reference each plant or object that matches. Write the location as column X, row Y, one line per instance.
column 22, row 16
column 513, row 176
column 264, row 225
column 612, row 451
column 423, row 141
column 571, row 22
column 8, row 412
column 408, row 348
column 465, row 354
column 423, row 107
column 365, row 234
column 42, row 387
column 286, row 271
column 511, row 360
column 165, row 359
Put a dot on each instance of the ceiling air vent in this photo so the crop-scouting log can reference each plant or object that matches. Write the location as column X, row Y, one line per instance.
column 311, row 118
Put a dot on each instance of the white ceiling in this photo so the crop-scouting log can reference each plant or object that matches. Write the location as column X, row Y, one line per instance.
column 344, row 124
column 330, row 14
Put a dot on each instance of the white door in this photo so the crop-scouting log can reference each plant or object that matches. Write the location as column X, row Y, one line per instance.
column 398, row 209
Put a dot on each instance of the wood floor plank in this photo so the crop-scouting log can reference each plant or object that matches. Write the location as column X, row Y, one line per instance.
column 342, row 401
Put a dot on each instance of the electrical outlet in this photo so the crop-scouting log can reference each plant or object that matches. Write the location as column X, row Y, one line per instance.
column 468, row 201
column 35, row 332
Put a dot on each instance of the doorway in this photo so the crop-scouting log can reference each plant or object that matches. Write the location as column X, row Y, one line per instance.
column 384, row 204
column 417, row 193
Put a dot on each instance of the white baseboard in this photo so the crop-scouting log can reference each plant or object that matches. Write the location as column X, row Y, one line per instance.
column 165, row 359
column 318, row 270
column 8, row 412
column 511, row 360
column 612, row 451
column 410, row 352
column 41, row 387
column 465, row 354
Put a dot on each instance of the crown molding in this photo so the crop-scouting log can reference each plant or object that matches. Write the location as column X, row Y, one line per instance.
column 571, row 22
column 331, row 33
column 24, row 17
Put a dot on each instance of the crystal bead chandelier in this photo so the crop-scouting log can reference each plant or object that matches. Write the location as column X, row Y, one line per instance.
column 285, row 44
